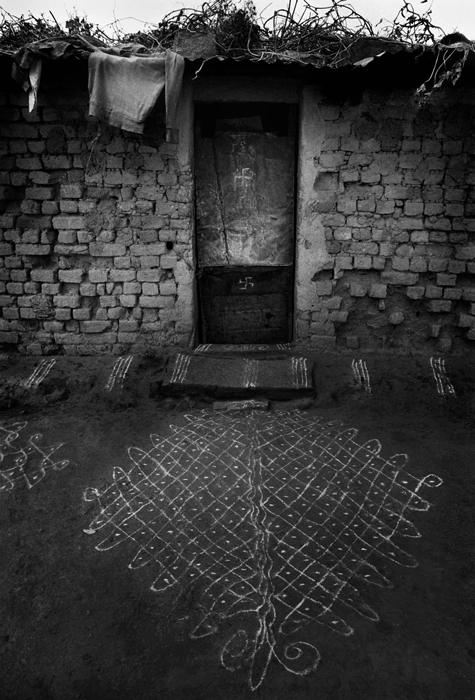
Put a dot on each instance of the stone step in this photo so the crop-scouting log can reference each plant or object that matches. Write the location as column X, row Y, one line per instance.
column 240, row 375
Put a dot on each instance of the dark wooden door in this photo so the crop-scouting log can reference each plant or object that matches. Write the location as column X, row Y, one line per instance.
column 245, row 175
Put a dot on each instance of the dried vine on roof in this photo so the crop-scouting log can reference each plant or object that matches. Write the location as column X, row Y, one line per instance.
column 325, row 34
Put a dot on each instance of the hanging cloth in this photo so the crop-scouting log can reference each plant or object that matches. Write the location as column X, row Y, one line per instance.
column 124, row 89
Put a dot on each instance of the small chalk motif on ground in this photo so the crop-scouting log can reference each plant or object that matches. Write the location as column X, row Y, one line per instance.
column 271, row 519
column 119, row 371
column 24, row 461
column 39, row 373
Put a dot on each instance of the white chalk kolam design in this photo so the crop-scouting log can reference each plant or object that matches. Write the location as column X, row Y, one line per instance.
column 361, row 375
column 443, row 383
column 270, row 519
column 119, row 371
column 27, row 462
column 39, row 373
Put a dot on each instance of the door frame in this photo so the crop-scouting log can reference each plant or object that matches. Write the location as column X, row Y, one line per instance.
column 247, row 89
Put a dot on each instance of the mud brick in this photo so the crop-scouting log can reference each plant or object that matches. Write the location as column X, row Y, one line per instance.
column 419, row 237
column 28, row 163
column 13, row 262
column 39, row 193
column 324, row 288
column 418, row 264
column 378, row 291
column 168, row 262
column 446, row 280
column 413, row 208
column 50, row 208
column 438, row 264
column 357, row 290
column 5, row 300
column 71, row 249
column 26, row 312
column 38, row 275
column 128, row 326
column 74, row 276
column 8, row 337
column 465, row 252
column 149, row 261
column 67, row 237
column 107, row 250
column 333, row 303
column 6, row 249
column 128, row 300
column 400, row 264
column 15, row 288
column 68, row 222
column 362, row 262
column 47, row 288
column 62, row 314
column 156, row 302
column 33, row 222
column 101, row 338
column 71, row 191
column 102, row 314
column 30, row 236
column 94, row 326
column 452, row 293
column 7, row 221
column 88, row 289
column 471, row 334
column 468, row 294
column 338, row 316
column 439, row 306
column 399, row 278
column 168, row 288
column 344, row 262
column 148, row 249
column 122, row 275
column 114, row 313
column 379, row 263
column 27, row 249
column 433, row 292
column 149, row 289
column 57, row 162
column 53, row 326
column 132, row 288
column 31, row 287
column 71, row 301
column 456, row 266
column 10, row 313
column 466, row 321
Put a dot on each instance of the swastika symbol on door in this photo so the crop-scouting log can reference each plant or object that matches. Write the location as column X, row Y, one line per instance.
column 245, row 283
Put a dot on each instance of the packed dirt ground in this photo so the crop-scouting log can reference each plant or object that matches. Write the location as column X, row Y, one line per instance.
column 77, row 623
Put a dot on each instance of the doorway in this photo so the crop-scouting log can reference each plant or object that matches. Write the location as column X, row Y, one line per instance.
column 245, row 157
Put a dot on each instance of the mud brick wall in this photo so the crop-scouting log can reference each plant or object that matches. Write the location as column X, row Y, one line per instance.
column 95, row 232
column 395, row 193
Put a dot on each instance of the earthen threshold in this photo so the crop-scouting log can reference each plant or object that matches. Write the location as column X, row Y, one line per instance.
column 240, row 372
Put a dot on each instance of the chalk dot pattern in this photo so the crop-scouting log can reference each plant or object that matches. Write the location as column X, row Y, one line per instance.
column 274, row 517
column 25, row 462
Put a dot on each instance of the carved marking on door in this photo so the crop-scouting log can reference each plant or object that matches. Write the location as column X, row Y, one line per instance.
column 245, row 283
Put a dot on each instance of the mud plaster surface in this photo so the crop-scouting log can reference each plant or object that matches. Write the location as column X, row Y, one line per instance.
column 76, row 622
